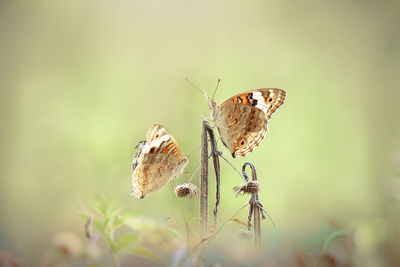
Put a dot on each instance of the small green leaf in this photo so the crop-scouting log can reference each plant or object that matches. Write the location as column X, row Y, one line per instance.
column 126, row 240
column 84, row 215
column 105, row 225
column 144, row 252
column 99, row 207
column 118, row 220
column 111, row 243
column 115, row 211
column 131, row 214
column 173, row 232
column 98, row 225
column 332, row 237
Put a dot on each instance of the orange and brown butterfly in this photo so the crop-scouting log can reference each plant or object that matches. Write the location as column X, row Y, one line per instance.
column 158, row 161
column 242, row 120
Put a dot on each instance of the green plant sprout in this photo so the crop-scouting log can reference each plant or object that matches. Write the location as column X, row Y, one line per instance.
column 122, row 232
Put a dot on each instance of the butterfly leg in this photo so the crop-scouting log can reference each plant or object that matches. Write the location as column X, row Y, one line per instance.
column 172, row 184
column 219, row 153
column 207, row 119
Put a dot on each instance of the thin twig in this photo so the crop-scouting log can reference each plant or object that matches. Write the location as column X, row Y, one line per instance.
column 254, row 206
column 251, row 211
column 191, row 177
column 217, row 172
column 213, row 234
column 258, row 203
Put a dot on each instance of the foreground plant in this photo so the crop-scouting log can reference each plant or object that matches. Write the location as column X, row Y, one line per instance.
column 117, row 234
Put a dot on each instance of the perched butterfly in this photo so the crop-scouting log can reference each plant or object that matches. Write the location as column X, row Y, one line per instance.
column 158, row 160
column 242, row 120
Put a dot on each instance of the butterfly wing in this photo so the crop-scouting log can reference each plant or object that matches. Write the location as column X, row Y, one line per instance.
column 242, row 120
column 159, row 160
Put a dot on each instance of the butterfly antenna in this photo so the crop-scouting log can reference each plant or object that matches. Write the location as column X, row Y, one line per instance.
column 172, row 185
column 216, row 88
column 197, row 88
column 193, row 150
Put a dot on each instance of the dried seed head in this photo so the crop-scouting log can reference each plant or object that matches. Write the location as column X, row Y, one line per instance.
column 251, row 187
column 186, row 190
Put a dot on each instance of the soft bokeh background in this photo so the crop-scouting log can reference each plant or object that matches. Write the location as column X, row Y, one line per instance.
column 82, row 81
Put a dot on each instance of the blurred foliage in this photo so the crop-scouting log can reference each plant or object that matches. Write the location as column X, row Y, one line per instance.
column 82, row 81
column 111, row 220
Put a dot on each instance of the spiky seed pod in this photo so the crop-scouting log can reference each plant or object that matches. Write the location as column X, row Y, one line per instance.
column 186, row 190
column 251, row 187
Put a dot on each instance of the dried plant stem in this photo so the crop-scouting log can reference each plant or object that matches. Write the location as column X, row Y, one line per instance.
column 114, row 260
column 204, row 182
column 257, row 220
column 254, row 207
column 217, row 171
column 208, row 132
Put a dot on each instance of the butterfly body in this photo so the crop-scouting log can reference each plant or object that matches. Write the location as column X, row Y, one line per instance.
column 242, row 120
column 158, row 160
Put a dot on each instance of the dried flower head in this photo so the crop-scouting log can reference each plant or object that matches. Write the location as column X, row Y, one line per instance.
column 251, row 187
column 186, row 190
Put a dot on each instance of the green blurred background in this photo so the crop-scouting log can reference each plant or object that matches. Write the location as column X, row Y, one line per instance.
column 82, row 81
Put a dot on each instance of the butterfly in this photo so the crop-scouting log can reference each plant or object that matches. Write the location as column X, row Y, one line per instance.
column 242, row 120
column 158, row 161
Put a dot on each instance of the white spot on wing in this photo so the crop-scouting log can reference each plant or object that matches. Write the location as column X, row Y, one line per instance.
column 260, row 101
column 157, row 142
